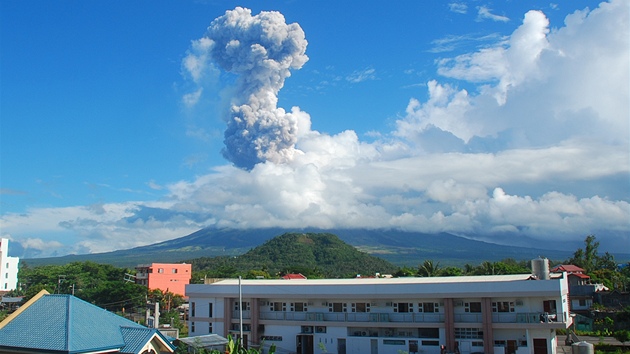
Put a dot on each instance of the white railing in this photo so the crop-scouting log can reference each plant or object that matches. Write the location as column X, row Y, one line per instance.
column 404, row 317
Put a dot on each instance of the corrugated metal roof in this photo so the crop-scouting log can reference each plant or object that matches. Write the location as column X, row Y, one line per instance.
column 135, row 338
column 205, row 341
column 67, row 324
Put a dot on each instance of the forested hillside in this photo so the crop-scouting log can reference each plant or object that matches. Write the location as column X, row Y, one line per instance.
column 312, row 254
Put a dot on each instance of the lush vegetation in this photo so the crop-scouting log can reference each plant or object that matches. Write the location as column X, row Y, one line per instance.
column 313, row 255
column 103, row 285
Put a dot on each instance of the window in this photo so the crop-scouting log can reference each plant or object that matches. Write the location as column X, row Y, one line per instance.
column 337, row 307
column 299, row 307
column 210, row 312
column 430, row 342
column 394, row 341
column 503, row 306
column 245, row 306
column 468, row 333
column 360, row 307
column 428, row 307
column 271, row 338
column 403, row 307
column 549, row 306
column 160, row 270
column 582, row 302
column 174, row 270
column 209, row 327
column 192, row 309
column 278, row 306
column 428, row 333
column 474, row 307
column 192, row 326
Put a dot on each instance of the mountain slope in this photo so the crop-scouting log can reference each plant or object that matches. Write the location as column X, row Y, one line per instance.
column 320, row 254
column 398, row 247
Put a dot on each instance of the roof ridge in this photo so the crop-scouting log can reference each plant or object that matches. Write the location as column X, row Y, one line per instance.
column 22, row 308
column 67, row 324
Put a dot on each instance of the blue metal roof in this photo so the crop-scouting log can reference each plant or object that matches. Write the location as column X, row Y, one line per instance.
column 68, row 324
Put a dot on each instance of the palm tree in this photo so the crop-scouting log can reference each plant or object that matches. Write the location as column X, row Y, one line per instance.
column 429, row 269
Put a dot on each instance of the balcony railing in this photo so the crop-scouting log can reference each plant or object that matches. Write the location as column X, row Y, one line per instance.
column 351, row 317
column 405, row 317
column 527, row 317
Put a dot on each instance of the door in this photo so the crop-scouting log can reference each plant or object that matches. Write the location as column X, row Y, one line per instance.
column 413, row 347
column 304, row 344
column 341, row 346
column 373, row 346
column 511, row 347
column 540, row 346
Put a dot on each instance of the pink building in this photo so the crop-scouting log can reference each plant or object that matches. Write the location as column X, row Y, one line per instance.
column 168, row 277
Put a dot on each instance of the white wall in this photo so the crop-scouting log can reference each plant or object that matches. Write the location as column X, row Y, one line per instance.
column 8, row 267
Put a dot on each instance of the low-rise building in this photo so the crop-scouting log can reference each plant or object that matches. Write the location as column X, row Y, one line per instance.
column 61, row 323
column 168, row 277
column 8, row 267
column 581, row 291
column 512, row 314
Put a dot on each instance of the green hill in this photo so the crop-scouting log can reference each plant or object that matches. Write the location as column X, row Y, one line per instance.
column 312, row 254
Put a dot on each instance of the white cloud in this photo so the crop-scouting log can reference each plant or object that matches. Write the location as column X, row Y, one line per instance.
column 485, row 13
column 362, row 75
column 458, row 7
column 191, row 99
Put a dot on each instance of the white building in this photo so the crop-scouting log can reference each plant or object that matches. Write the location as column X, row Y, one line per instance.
column 473, row 314
column 8, row 267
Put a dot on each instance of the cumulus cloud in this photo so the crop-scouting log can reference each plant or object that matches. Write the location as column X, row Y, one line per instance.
column 528, row 92
column 96, row 228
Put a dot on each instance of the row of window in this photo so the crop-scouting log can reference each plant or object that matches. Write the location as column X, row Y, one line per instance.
column 426, row 307
column 354, row 306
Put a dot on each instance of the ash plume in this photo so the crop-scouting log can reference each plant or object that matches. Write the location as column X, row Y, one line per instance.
column 261, row 50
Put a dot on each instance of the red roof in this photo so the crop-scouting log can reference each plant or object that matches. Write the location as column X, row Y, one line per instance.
column 293, row 276
column 569, row 268
column 579, row 275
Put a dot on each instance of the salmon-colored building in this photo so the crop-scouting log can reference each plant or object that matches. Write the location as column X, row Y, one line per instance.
column 168, row 277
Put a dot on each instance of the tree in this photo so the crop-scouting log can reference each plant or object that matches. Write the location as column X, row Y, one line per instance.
column 429, row 269
column 623, row 336
column 451, row 272
column 405, row 271
column 587, row 258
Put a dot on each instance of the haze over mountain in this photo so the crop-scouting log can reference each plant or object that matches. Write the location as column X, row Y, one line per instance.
column 397, row 247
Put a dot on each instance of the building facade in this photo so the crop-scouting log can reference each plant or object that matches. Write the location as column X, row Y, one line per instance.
column 168, row 277
column 8, row 267
column 514, row 314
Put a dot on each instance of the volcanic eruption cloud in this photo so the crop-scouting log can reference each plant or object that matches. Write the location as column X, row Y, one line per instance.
column 261, row 50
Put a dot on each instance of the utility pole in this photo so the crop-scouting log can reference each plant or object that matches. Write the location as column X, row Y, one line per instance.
column 60, row 280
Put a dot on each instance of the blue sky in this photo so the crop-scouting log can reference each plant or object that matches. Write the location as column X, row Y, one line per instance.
column 503, row 121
